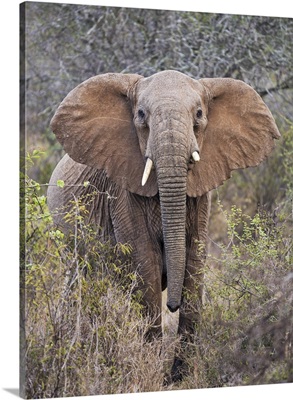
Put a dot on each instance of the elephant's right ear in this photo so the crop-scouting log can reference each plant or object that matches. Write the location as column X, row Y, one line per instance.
column 94, row 124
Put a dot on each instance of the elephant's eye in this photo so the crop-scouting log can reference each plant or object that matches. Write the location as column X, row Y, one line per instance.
column 199, row 113
column 141, row 114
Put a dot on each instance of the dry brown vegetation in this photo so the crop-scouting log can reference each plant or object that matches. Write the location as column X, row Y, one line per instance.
column 85, row 329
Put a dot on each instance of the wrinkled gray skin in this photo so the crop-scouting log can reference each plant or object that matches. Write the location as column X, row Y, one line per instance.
column 110, row 125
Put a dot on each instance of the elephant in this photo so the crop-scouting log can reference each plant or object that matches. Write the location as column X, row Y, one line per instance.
column 158, row 145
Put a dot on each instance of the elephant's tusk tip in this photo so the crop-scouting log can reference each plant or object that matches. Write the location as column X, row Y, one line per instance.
column 147, row 171
column 195, row 156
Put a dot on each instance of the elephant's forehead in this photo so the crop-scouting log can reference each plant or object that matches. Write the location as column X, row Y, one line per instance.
column 166, row 80
column 168, row 84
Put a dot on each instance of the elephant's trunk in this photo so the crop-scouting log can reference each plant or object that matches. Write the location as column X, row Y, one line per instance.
column 172, row 190
column 171, row 161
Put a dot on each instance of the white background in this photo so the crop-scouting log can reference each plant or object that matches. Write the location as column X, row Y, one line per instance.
column 9, row 130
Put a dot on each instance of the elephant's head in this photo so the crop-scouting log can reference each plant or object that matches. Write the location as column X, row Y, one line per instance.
column 167, row 133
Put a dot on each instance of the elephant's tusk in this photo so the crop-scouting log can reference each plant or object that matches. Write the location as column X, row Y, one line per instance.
column 195, row 156
column 147, row 171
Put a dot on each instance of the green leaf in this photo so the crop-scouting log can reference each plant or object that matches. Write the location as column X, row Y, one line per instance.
column 60, row 183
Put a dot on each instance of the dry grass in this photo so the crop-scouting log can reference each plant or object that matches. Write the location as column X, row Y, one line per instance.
column 84, row 325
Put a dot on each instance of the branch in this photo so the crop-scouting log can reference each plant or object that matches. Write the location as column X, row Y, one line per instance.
column 287, row 84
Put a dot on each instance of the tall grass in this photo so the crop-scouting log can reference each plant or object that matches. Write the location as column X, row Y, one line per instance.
column 84, row 327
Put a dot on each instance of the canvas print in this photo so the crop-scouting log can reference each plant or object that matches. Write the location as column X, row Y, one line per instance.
column 156, row 200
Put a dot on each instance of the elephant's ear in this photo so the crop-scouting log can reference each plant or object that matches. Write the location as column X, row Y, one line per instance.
column 94, row 123
column 240, row 133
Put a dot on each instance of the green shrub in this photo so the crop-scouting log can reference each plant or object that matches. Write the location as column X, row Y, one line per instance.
column 245, row 335
column 84, row 330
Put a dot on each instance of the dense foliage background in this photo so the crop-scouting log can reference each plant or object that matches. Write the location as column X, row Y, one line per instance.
column 73, row 327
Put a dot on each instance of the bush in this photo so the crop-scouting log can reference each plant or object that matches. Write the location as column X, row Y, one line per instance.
column 245, row 335
column 84, row 330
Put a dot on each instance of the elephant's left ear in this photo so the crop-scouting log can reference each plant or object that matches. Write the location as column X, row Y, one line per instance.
column 240, row 133
column 94, row 123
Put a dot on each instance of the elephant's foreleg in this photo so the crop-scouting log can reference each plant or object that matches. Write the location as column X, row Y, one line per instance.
column 150, row 290
column 190, row 310
column 131, row 226
column 189, row 318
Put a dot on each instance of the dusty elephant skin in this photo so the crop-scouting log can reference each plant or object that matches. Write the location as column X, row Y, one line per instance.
column 159, row 145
